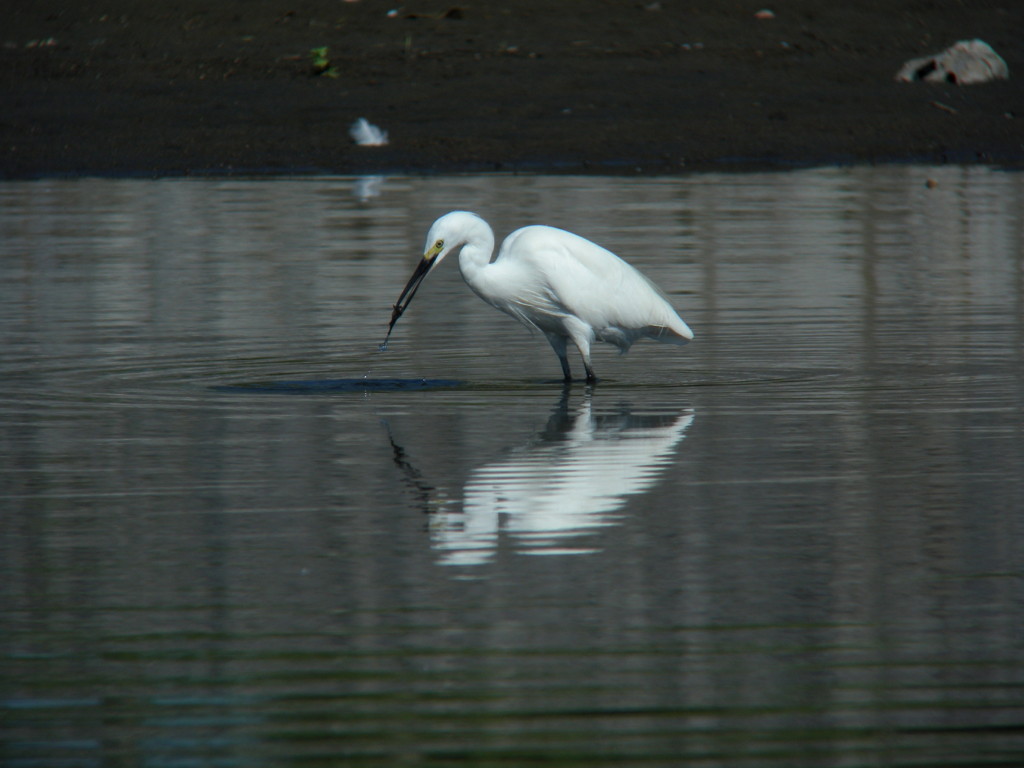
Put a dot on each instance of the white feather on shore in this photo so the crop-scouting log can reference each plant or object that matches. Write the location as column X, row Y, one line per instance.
column 366, row 134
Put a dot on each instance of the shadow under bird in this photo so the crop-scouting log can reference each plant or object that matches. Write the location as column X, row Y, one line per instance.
column 561, row 284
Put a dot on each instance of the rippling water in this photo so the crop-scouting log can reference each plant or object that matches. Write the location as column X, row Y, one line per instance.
column 234, row 533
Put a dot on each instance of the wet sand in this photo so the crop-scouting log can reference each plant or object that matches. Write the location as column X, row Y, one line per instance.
column 127, row 87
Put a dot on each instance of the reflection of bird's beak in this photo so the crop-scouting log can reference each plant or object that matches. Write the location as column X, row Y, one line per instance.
column 422, row 270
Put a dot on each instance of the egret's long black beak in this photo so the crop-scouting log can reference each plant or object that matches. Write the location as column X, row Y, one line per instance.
column 422, row 270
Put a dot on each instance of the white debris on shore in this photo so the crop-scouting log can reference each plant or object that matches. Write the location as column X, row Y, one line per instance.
column 965, row 63
column 366, row 134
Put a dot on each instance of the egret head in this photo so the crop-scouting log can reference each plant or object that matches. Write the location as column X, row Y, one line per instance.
column 447, row 234
column 452, row 231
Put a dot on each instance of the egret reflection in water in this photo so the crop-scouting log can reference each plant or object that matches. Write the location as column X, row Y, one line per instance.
column 567, row 483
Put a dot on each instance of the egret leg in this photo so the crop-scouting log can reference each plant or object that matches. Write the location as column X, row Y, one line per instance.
column 558, row 344
column 582, row 338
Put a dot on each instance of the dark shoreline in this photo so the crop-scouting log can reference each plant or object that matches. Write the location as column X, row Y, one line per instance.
column 126, row 88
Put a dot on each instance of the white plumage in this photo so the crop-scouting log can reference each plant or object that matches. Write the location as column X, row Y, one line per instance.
column 565, row 286
column 366, row 134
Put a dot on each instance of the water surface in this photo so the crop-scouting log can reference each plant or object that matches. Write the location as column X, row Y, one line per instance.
column 234, row 533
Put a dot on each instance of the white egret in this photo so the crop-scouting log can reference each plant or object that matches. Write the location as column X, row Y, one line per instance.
column 567, row 287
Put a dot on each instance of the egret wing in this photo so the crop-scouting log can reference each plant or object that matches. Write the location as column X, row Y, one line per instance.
column 583, row 279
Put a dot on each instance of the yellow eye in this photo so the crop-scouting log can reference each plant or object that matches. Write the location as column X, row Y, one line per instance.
column 439, row 245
